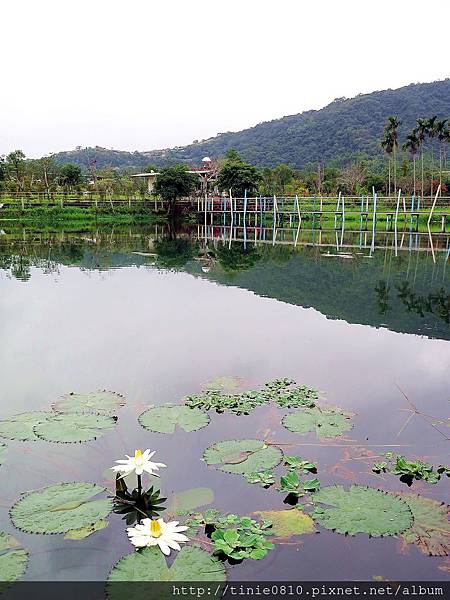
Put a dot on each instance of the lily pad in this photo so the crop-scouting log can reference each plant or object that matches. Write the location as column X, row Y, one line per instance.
column 227, row 385
column 149, row 564
column 13, row 559
column 243, row 456
column 2, row 452
column 164, row 419
column 83, row 532
column 60, row 508
column 101, row 402
column 361, row 510
column 71, row 428
column 431, row 528
column 287, row 523
column 185, row 502
column 327, row 423
column 21, row 427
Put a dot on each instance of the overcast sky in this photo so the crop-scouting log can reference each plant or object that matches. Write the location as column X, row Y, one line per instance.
column 142, row 74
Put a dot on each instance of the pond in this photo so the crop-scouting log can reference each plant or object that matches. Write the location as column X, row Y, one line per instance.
column 157, row 316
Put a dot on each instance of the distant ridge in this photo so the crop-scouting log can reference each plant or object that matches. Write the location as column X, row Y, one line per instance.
column 340, row 132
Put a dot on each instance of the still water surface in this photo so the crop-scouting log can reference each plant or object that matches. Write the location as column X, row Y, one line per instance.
column 155, row 319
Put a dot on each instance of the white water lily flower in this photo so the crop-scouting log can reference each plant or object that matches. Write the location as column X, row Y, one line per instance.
column 155, row 532
column 139, row 463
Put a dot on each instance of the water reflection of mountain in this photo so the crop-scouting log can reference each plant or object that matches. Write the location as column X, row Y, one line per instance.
column 408, row 293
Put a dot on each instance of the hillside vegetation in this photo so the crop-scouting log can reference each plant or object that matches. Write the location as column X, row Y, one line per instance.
column 343, row 131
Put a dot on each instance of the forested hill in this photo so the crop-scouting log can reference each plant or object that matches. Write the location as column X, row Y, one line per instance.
column 342, row 131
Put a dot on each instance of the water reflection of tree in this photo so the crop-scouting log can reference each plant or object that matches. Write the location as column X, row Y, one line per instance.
column 19, row 266
column 173, row 252
column 237, row 258
column 382, row 291
column 436, row 303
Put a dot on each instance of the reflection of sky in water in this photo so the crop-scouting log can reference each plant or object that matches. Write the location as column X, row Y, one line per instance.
column 155, row 336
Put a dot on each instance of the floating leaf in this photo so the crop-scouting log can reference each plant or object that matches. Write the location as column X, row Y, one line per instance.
column 189, row 500
column 21, row 427
column 326, row 423
column 286, row 523
column 70, row 428
column 243, row 456
column 101, row 402
column 224, row 384
column 361, row 510
column 2, row 452
column 13, row 559
column 164, row 419
column 430, row 530
column 59, row 508
column 86, row 531
column 149, row 564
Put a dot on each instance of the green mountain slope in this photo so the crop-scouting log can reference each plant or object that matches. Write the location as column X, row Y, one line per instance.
column 342, row 131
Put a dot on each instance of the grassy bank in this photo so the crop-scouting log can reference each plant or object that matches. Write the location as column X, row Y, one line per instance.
column 42, row 216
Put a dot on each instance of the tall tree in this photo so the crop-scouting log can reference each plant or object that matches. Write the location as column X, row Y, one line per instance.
column 441, row 132
column 421, row 129
column 412, row 144
column 392, row 131
column 387, row 145
column 431, row 134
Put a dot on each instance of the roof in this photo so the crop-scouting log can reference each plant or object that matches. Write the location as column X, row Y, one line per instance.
column 152, row 174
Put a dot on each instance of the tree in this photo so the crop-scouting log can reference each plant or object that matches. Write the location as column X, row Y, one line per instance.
column 174, row 183
column 237, row 175
column 387, row 145
column 15, row 165
column 412, row 144
column 441, row 132
column 71, row 175
column 421, row 129
column 391, row 137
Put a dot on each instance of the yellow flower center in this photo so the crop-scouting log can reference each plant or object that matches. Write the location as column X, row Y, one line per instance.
column 137, row 454
column 155, row 529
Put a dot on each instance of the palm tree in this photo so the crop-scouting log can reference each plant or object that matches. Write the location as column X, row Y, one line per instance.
column 387, row 145
column 441, row 132
column 421, row 135
column 431, row 133
column 413, row 144
column 392, row 131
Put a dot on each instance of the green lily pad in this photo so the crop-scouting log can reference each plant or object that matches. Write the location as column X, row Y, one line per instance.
column 71, row 428
column 21, row 427
column 243, row 456
column 13, row 559
column 287, row 523
column 185, row 502
column 2, row 452
column 361, row 510
column 83, row 532
column 327, row 423
column 60, row 508
column 164, row 419
column 227, row 385
column 149, row 564
column 430, row 530
column 101, row 402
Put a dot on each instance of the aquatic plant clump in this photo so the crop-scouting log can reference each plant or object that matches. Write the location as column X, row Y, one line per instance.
column 284, row 392
column 430, row 531
column 237, row 537
column 60, row 508
column 164, row 419
column 410, row 470
column 101, row 402
column 326, row 423
column 149, row 564
column 361, row 510
column 243, row 456
column 13, row 559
